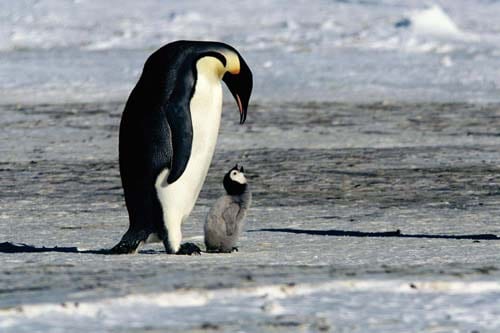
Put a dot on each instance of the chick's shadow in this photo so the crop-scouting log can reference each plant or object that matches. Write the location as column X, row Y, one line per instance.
column 397, row 233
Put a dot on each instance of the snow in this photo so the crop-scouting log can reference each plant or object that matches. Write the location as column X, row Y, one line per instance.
column 326, row 178
column 434, row 21
column 345, row 50
column 367, row 117
column 156, row 310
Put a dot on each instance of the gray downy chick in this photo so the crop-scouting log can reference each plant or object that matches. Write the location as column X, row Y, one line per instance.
column 224, row 221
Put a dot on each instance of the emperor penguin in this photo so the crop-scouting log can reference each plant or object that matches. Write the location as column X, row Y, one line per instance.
column 168, row 134
column 225, row 219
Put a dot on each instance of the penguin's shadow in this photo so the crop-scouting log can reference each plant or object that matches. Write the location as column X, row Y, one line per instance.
column 396, row 234
column 8, row 247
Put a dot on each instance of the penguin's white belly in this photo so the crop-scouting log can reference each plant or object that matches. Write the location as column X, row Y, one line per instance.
column 178, row 199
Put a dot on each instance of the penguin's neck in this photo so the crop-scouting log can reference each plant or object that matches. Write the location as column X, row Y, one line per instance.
column 244, row 199
column 210, row 67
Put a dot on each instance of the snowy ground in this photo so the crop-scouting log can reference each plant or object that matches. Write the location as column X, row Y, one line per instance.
column 368, row 117
column 314, row 256
column 52, row 50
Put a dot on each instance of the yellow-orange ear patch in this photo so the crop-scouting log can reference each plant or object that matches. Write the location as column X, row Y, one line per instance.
column 232, row 62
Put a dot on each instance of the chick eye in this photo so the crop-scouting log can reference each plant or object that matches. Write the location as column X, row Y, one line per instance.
column 233, row 173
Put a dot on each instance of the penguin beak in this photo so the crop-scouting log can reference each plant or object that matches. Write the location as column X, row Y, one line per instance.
column 240, row 86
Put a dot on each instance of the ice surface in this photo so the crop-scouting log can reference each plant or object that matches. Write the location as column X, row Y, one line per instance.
column 434, row 22
column 291, row 303
column 67, row 51
column 333, row 175
column 368, row 117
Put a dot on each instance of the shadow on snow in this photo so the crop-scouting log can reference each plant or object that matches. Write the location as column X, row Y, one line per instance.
column 397, row 233
column 8, row 247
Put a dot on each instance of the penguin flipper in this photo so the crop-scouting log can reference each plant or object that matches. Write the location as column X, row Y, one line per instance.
column 181, row 130
column 230, row 216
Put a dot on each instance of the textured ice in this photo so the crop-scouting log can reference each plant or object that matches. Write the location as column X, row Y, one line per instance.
column 84, row 51
column 329, row 179
column 290, row 303
column 434, row 22
column 365, row 160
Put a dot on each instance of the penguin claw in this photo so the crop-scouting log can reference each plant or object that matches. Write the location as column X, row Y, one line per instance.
column 222, row 250
column 124, row 248
column 130, row 242
column 189, row 249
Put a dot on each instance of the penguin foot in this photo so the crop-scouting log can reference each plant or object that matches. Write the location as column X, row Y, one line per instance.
column 234, row 249
column 189, row 249
column 129, row 243
column 124, row 248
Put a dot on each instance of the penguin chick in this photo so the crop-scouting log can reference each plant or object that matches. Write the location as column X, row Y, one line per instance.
column 224, row 221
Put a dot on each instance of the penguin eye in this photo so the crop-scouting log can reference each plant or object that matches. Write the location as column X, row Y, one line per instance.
column 233, row 173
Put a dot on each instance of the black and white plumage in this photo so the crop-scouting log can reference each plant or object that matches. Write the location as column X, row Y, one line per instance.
column 168, row 134
column 225, row 219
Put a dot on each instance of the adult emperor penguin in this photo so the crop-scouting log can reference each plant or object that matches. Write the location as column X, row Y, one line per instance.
column 168, row 134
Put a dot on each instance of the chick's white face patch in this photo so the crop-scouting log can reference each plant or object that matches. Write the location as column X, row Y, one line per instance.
column 238, row 177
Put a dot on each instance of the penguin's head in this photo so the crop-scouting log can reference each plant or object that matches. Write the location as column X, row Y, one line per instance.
column 239, row 80
column 235, row 181
column 223, row 59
